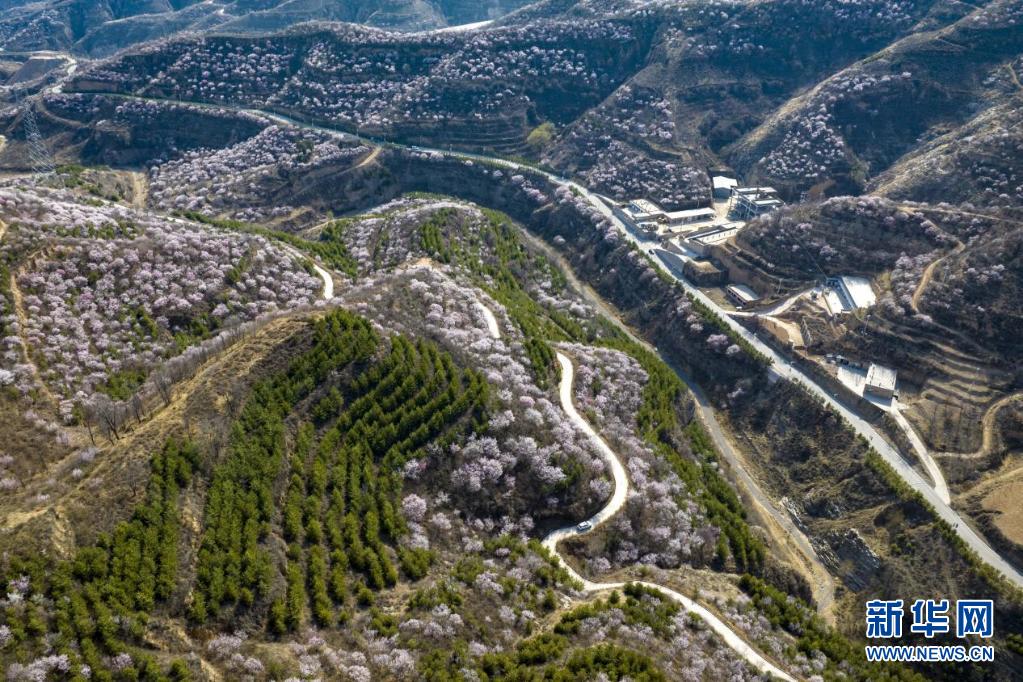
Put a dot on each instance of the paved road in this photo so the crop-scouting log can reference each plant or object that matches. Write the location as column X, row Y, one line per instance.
column 780, row 365
column 328, row 279
column 621, row 480
column 461, row 28
column 783, row 367
column 328, row 282
column 617, row 501
column 933, row 470
column 613, row 506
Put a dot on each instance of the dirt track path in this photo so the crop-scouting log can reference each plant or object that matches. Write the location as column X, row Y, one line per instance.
column 369, row 158
column 613, row 506
column 988, row 431
column 139, row 190
column 929, row 273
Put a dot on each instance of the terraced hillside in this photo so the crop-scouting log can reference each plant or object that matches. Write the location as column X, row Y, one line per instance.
column 477, row 90
column 852, row 125
column 103, row 28
column 326, row 354
column 624, row 101
column 427, row 268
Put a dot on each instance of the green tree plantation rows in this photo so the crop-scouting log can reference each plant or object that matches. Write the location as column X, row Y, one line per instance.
column 343, row 482
column 365, row 409
column 341, row 505
column 232, row 566
column 98, row 603
column 499, row 262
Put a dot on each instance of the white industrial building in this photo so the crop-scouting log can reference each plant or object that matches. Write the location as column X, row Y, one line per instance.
column 723, row 186
column 649, row 218
column 846, row 293
column 749, row 202
column 700, row 241
column 858, row 291
column 690, row 217
column 741, row 295
column 643, row 210
column 880, row 381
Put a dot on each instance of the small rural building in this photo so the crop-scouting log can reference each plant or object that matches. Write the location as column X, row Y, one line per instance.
column 700, row 241
column 845, row 294
column 880, row 381
column 723, row 186
column 691, row 216
column 741, row 295
column 650, row 229
column 644, row 210
column 857, row 291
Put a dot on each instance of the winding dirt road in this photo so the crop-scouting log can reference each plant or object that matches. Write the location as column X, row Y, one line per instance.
column 491, row 320
column 617, row 501
column 786, row 536
column 328, row 279
column 989, row 425
column 613, row 506
column 928, row 274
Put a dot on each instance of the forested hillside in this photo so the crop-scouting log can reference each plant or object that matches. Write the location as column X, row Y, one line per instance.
column 332, row 345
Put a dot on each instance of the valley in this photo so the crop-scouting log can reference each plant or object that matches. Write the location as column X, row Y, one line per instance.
column 562, row 340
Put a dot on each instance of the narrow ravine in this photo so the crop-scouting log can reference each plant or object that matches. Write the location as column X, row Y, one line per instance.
column 617, row 501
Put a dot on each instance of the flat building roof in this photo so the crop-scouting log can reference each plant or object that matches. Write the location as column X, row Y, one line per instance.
column 859, row 291
column 755, row 190
column 881, row 377
column 715, row 231
column 692, row 212
column 645, row 205
column 743, row 293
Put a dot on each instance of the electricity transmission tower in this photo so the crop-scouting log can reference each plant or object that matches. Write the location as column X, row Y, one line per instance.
column 39, row 156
